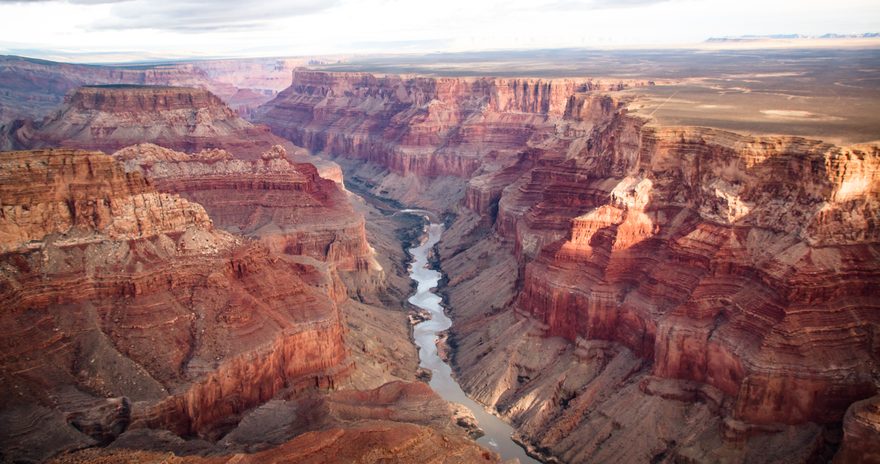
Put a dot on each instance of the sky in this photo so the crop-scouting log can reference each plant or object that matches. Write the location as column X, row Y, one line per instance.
column 123, row 30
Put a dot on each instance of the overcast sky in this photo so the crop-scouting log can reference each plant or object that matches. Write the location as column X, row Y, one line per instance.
column 143, row 29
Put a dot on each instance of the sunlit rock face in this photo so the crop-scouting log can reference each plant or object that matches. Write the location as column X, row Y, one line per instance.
column 114, row 290
column 719, row 257
column 287, row 205
column 743, row 264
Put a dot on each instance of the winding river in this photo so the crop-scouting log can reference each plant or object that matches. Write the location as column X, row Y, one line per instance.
column 497, row 432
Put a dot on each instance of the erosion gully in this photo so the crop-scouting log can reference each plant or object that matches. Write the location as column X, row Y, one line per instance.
column 497, row 433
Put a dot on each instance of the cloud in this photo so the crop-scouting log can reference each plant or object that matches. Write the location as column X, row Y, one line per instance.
column 195, row 15
column 75, row 2
column 561, row 5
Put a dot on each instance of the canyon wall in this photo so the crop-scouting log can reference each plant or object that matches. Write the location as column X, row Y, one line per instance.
column 287, row 205
column 205, row 303
column 108, row 118
column 624, row 291
column 443, row 129
column 100, row 269
column 742, row 264
column 132, row 323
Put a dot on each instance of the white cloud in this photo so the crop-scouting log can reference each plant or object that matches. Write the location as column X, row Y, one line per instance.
column 306, row 27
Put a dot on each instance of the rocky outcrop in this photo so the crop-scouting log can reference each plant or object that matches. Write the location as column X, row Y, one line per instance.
column 287, row 205
column 115, row 116
column 742, row 264
column 100, row 269
column 861, row 428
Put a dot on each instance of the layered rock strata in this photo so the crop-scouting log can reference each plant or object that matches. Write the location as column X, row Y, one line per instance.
column 34, row 88
column 741, row 265
column 125, row 308
column 624, row 291
column 415, row 128
column 111, row 117
column 287, row 205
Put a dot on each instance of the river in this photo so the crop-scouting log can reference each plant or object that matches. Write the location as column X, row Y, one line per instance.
column 497, row 432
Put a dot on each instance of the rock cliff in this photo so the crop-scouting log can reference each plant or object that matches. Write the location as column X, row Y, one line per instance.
column 131, row 322
column 100, row 269
column 741, row 267
column 287, row 205
column 443, row 129
column 624, row 291
column 34, row 88
column 111, row 117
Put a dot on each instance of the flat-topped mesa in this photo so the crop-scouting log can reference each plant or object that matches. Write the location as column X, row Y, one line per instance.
column 124, row 98
column 114, row 290
column 287, row 205
column 111, row 117
column 426, row 126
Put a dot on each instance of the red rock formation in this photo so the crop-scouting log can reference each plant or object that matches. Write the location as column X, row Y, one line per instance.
column 99, row 270
column 34, row 88
column 741, row 263
column 713, row 255
column 425, row 126
column 861, row 433
column 112, row 117
column 730, row 274
column 287, row 205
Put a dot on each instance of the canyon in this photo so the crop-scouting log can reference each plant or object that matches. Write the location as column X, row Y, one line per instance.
column 623, row 290
column 205, row 303
column 181, row 281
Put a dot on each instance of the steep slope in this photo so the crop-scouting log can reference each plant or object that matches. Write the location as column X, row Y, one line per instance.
column 100, row 269
column 622, row 291
column 287, row 205
column 187, row 119
column 421, row 138
column 130, row 321
column 740, row 267
column 112, row 117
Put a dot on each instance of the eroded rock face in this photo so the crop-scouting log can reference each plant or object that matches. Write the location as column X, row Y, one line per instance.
column 743, row 264
column 34, row 88
column 114, row 290
column 115, row 116
column 861, row 427
column 287, row 205
column 418, row 127
column 721, row 258
column 696, row 294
